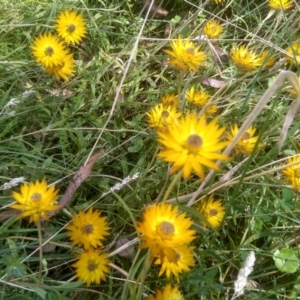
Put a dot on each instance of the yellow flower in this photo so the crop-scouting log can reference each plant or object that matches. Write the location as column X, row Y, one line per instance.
column 218, row 1
column 197, row 97
column 88, row 229
column 163, row 229
column 212, row 29
column 185, row 55
column 48, row 50
column 267, row 60
column 170, row 100
column 212, row 210
column 247, row 142
column 91, row 266
column 245, row 59
column 294, row 51
column 292, row 173
column 281, row 4
column 212, row 109
column 192, row 143
column 64, row 69
column 159, row 116
column 71, row 26
column 184, row 260
column 168, row 293
column 35, row 201
column 295, row 92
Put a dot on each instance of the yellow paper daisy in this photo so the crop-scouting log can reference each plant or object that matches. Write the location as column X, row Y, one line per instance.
column 292, row 173
column 168, row 293
column 295, row 92
column 192, row 143
column 212, row 210
column 35, row 201
column 88, row 229
column 160, row 116
column 48, row 50
column 245, row 59
column 163, row 229
column 91, row 266
column 281, row 4
column 247, row 142
column 197, row 97
column 184, row 262
column 212, row 29
column 267, row 60
column 71, row 26
column 64, row 70
column 212, row 109
column 170, row 100
column 186, row 55
column 294, row 51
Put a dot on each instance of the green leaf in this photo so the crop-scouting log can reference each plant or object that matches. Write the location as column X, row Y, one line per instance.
column 286, row 261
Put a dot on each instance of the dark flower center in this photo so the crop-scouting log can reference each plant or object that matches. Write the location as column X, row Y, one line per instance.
column 91, row 266
column 88, row 229
column 246, row 136
column 213, row 212
column 166, row 228
column 194, row 141
column 36, row 197
column 49, row 51
column 165, row 114
column 71, row 28
column 297, row 173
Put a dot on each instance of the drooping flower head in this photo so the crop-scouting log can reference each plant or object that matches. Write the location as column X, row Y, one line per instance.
column 64, row 69
column 183, row 263
column 292, row 173
column 71, row 26
column 197, row 96
column 163, row 229
column 294, row 51
column 281, row 4
column 191, row 143
column 48, row 50
column 168, row 293
column 212, row 29
column 35, row 201
column 160, row 116
column 170, row 100
column 88, row 229
column 212, row 210
column 245, row 59
column 91, row 266
column 186, row 55
column 247, row 142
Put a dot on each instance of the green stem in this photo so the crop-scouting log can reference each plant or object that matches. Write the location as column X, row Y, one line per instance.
column 39, row 228
column 170, row 188
column 142, row 276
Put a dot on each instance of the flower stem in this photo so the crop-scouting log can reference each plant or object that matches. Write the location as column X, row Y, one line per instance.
column 174, row 181
column 41, row 248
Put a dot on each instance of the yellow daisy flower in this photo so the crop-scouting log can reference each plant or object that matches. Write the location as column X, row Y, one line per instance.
column 294, row 92
column 245, row 59
column 212, row 210
column 163, row 229
column 35, row 201
column 247, row 142
column 212, row 29
column 64, row 69
column 197, row 97
column 186, row 55
column 71, row 26
column 267, row 60
column 91, row 266
column 160, row 116
column 168, row 293
column 192, row 143
column 281, row 4
column 184, row 262
column 294, row 51
column 88, row 229
column 292, row 173
column 170, row 100
column 48, row 50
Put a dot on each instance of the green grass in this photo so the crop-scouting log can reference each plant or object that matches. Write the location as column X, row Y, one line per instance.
column 51, row 132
